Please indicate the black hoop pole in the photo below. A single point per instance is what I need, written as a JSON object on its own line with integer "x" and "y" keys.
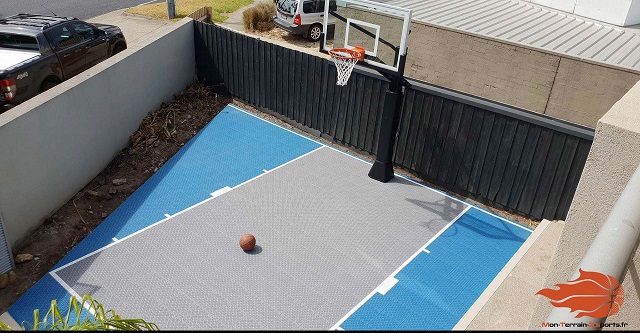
{"x": 382, "y": 169}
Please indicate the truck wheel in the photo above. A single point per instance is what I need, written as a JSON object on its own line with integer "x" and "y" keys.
{"x": 315, "y": 31}
{"x": 46, "y": 85}
{"x": 117, "y": 49}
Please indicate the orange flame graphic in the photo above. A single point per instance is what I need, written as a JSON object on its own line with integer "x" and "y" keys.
{"x": 593, "y": 294}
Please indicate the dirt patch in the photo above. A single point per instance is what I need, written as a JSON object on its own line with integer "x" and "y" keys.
{"x": 161, "y": 134}
{"x": 281, "y": 36}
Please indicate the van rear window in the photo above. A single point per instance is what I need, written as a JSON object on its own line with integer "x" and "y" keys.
{"x": 12, "y": 41}
{"x": 288, "y": 6}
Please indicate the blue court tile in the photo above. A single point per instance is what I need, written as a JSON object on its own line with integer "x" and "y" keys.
{"x": 436, "y": 289}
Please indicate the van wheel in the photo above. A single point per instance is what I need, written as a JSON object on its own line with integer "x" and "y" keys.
{"x": 315, "y": 31}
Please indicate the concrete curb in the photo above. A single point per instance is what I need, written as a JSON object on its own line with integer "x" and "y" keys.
{"x": 7, "y": 319}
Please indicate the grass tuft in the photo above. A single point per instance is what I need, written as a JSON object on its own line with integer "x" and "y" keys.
{"x": 259, "y": 17}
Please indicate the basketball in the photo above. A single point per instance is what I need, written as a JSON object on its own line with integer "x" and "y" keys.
{"x": 247, "y": 242}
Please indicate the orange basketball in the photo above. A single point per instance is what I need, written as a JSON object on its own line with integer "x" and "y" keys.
{"x": 247, "y": 242}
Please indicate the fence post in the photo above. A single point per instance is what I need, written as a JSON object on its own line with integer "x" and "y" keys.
{"x": 171, "y": 8}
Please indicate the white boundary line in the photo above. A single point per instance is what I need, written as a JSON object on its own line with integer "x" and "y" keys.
{"x": 386, "y": 285}
{"x": 178, "y": 213}
{"x": 220, "y": 192}
{"x": 399, "y": 175}
{"x": 482, "y": 300}
{"x": 415, "y": 254}
{"x": 72, "y": 292}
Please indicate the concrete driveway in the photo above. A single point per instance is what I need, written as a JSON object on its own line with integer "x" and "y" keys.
{"x": 134, "y": 27}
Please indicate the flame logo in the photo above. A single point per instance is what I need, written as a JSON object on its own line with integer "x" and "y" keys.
{"x": 593, "y": 294}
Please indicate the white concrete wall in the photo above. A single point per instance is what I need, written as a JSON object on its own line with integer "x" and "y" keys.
{"x": 633, "y": 17}
{"x": 614, "y": 156}
{"x": 618, "y": 12}
{"x": 52, "y": 145}
{"x": 610, "y": 11}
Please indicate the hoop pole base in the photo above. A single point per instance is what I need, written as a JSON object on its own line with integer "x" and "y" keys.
{"x": 382, "y": 169}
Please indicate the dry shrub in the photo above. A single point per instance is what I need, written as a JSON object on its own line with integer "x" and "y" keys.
{"x": 259, "y": 17}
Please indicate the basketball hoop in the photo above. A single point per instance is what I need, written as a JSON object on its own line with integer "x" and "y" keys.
{"x": 345, "y": 60}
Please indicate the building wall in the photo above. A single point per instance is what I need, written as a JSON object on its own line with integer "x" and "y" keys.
{"x": 614, "y": 156}
{"x": 583, "y": 92}
{"x": 571, "y": 89}
{"x": 55, "y": 143}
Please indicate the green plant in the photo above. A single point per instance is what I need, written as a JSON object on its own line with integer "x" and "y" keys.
{"x": 87, "y": 314}
{"x": 259, "y": 17}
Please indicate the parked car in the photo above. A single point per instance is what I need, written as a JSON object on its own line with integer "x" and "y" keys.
{"x": 306, "y": 20}
{"x": 37, "y": 52}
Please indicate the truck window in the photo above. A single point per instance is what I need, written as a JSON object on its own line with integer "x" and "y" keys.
{"x": 83, "y": 30}
{"x": 11, "y": 41}
{"x": 61, "y": 37}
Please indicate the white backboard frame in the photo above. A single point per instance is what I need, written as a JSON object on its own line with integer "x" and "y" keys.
{"x": 404, "y": 13}
{"x": 374, "y": 52}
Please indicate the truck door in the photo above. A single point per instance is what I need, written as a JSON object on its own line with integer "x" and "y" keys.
{"x": 95, "y": 45}
{"x": 70, "y": 51}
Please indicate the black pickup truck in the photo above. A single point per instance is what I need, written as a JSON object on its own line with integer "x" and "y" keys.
{"x": 38, "y": 51}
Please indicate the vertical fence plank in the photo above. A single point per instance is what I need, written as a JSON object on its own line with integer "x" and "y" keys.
{"x": 528, "y": 153}
{"x": 483, "y": 146}
{"x": 422, "y": 131}
{"x": 533, "y": 180}
{"x": 506, "y": 143}
{"x": 459, "y": 145}
{"x": 441, "y": 139}
{"x": 404, "y": 125}
{"x": 492, "y": 153}
{"x": 548, "y": 174}
{"x": 562, "y": 172}
{"x": 574, "y": 177}
{"x": 431, "y": 138}
{"x": 449, "y": 141}
{"x": 263, "y": 83}
{"x": 464, "y": 173}
{"x": 372, "y": 115}
{"x": 506, "y": 185}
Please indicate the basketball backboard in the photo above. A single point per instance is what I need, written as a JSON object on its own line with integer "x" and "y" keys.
{"x": 379, "y": 28}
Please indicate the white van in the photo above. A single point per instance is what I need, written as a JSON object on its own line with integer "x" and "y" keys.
{"x": 305, "y": 19}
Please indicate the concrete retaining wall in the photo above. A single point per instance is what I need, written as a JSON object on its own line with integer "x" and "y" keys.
{"x": 572, "y": 89}
{"x": 55, "y": 143}
{"x": 614, "y": 156}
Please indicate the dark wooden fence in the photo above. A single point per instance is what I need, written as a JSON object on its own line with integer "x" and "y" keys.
{"x": 497, "y": 154}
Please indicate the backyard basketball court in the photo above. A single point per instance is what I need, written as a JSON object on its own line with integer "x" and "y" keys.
{"x": 335, "y": 249}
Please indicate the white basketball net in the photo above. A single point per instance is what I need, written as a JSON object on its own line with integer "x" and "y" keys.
{"x": 344, "y": 66}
